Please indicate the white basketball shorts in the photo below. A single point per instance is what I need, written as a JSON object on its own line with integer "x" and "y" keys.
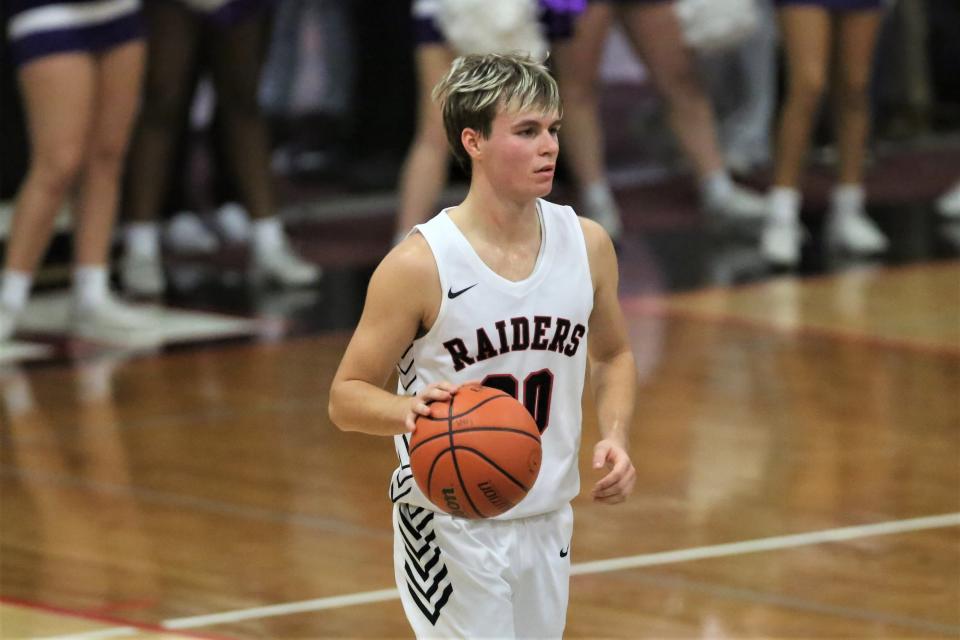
{"x": 463, "y": 578}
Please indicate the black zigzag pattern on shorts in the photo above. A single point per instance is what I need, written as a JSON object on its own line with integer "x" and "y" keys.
{"x": 427, "y": 579}
{"x": 401, "y": 484}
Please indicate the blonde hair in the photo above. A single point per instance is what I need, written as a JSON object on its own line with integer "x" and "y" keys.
{"x": 477, "y": 86}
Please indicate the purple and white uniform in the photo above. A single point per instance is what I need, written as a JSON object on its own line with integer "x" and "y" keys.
{"x": 224, "y": 13}
{"x": 838, "y": 5}
{"x": 556, "y": 18}
{"x": 37, "y": 28}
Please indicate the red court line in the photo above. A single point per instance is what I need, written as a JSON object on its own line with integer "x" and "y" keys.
{"x": 106, "y": 619}
{"x": 658, "y": 306}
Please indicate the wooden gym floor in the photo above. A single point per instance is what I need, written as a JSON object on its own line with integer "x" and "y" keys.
{"x": 797, "y": 441}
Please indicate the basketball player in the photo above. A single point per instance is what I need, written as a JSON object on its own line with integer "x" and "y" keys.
{"x": 424, "y": 171}
{"x": 515, "y": 292}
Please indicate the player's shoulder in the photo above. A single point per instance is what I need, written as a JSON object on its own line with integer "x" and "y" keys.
{"x": 410, "y": 263}
{"x": 596, "y": 238}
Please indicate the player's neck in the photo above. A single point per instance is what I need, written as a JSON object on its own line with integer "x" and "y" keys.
{"x": 496, "y": 216}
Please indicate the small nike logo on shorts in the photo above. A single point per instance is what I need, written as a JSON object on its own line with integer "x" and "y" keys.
{"x": 453, "y": 294}
{"x": 565, "y": 552}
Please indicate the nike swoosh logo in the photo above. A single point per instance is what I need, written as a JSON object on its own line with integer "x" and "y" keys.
{"x": 564, "y": 552}
{"x": 453, "y": 294}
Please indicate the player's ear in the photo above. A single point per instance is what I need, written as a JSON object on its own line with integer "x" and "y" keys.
{"x": 470, "y": 139}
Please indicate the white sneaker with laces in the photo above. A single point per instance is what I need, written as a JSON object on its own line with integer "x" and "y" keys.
{"x": 736, "y": 204}
{"x": 281, "y": 265}
{"x": 112, "y": 317}
{"x": 780, "y": 242}
{"x": 185, "y": 233}
{"x": 948, "y": 205}
{"x": 852, "y": 231}
{"x": 142, "y": 275}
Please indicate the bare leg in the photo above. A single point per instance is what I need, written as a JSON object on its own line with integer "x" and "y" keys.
{"x": 58, "y": 93}
{"x": 805, "y": 30}
{"x": 171, "y": 50}
{"x": 118, "y": 92}
{"x": 857, "y": 37}
{"x": 654, "y": 31}
{"x": 582, "y": 135}
{"x": 425, "y": 170}
{"x": 236, "y": 57}
{"x": 806, "y": 37}
{"x": 848, "y": 227}
{"x": 577, "y": 63}
{"x": 173, "y": 31}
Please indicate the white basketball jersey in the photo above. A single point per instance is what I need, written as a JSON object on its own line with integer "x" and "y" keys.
{"x": 528, "y": 338}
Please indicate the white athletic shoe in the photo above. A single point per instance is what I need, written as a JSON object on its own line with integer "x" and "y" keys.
{"x": 948, "y": 205}
{"x": 281, "y": 265}
{"x": 737, "y": 204}
{"x": 185, "y": 233}
{"x": 112, "y": 317}
{"x": 8, "y": 324}
{"x": 232, "y": 222}
{"x": 780, "y": 242}
{"x": 853, "y": 232}
{"x": 142, "y": 275}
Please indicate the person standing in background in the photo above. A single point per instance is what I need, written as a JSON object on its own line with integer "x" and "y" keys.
{"x": 654, "y": 30}
{"x": 813, "y": 33}
{"x": 234, "y": 33}
{"x": 79, "y": 74}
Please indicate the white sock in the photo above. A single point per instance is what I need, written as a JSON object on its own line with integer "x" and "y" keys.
{"x": 784, "y": 205}
{"x": 848, "y": 198}
{"x": 233, "y": 221}
{"x": 716, "y": 185}
{"x": 267, "y": 234}
{"x": 143, "y": 239}
{"x": 17, "y": 395}
{"x": 14, "y": 289}
{"x": 90, "y": 286}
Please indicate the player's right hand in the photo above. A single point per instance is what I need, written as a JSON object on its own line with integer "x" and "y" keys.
{"x": 419, "y": 404}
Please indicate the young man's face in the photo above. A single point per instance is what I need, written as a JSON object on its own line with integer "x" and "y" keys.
{"x": 520, "y": 156}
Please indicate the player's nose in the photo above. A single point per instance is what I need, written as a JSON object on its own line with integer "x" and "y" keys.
{"x": 550, "y": 145}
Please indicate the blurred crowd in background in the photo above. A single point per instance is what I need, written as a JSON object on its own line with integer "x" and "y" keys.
{"x": 105, "y": 104}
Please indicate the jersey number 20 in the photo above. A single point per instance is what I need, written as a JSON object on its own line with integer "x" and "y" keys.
{"x": 537, "y": 392}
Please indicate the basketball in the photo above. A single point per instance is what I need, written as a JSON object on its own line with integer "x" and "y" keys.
{"x": 478, "y": 455}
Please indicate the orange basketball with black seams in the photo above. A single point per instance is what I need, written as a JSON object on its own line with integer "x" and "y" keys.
{"x": 478, "y": 455}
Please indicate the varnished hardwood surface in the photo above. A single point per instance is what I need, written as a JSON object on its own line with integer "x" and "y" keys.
{"x": 160, "y": 487}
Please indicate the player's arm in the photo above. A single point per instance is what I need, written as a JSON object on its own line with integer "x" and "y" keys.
{"x": 403, "y": 295}
{"x": 613, "y": 371}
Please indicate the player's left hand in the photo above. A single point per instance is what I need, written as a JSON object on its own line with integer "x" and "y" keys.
{"x": 614, "y": 487}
